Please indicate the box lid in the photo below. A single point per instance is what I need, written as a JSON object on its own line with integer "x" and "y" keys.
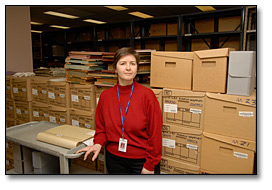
{"x": 79, "y": 112}
{"x": 177, "y": 55}
{"x": 244, "y": 100}
{"x": 220, "y": 52}
{"x": 57, "y": 108}
{"x": 177, "y": 92}
{"x": 243, "y": 143}
{"x": 242, "y": 64}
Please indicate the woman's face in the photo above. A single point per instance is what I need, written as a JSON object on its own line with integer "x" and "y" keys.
{"x": 126, "y": 69}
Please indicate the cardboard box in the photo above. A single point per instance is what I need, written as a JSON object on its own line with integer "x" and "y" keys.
{"x": 199, "y": 44}
{"x": 10, "y": 109}
{"x": 80, "y": 118}
{"x": 158, "y": 29}
{"x": 21, "y": 88}
{"x": 171, "y": 70}
{"x": 229, "y": 23}
{"x": 227, "y": 155}
{"x": 172, "y": 28}
{"x": 58, "y": 93}
{"x": 152, "y": 44}
{"x": 181, "y": 144}
{"x": 23, "y": 111}
{"x": 158, "y": 94}
{"x": 40, "y": 111}
{"x": 205, "y": 25}
{"x": 82, "y": 97}
{"x": 171, "y": 45}
{"x": 98, "y": 91}
{"x": 59, "y": 115}
{"x": 10, "y": 122}
{"x": 232, "y": 42}
{"x": 210, "y": 70}
{"x": 9, "y": 94}
{"x": 170, "y": 166}
{"x": 184, "y": 108}
{"x": 231, "y": 115}
{"x": 40, "y": 89}
{"x": 241, "y": 73}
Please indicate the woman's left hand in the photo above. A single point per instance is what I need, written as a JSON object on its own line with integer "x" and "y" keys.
{"x": 145, "y": 171}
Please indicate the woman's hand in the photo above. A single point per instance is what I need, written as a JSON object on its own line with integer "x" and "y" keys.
{"x": 145, "y": 171}
{"x": 88, "y": 149}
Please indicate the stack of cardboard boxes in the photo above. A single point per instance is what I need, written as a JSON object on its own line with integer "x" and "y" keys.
{"x": 206, "y": 130}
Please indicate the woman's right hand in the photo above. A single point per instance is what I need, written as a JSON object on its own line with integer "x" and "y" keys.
{"x": 88, "y": 149}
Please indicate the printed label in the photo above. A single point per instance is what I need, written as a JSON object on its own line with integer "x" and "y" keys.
{"x": 240, "y": 155}
{"x": 191, "y": 146}
{"x": 62, "y": 120}
{"x": 44, "y": 91}
{"x": 62, "y": 95}
{"x": 35, "y": 114}
{"x": 52, "y": 119}
{"x": 34, "y": 91}
{"x": 74, "y": 98}
{"x": 23, "y": 89}
{"x": 26, "y": 112}
{"x": 75, "y": 123}
{"x": 87, "y": 126}
{"x": 45, "y": 115}
{"x": 171, "y": 108}
{"x": 246, "y": 114}
{"x": 168, "y": 143}
{"x": 51, "y": 95}
{"x": 15, "y": 90}
{"x": 10, "y": 108}
{"x": 87, "y": 97}
{"x": 18, "y": 111}
{"x": 195, "y": 111}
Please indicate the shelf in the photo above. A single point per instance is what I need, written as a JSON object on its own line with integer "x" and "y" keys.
{"x": 212, "y": 34}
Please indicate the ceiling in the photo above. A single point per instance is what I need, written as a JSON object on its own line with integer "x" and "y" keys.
{"x": 102, "y": 13}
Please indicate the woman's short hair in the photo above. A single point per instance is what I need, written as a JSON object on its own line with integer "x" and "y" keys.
{"x": 123, "y": 52}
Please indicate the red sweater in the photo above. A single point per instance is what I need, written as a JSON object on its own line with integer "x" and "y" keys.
{"x": 143, "y": 123}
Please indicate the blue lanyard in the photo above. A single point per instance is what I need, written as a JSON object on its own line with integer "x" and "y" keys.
{"x": 123, "y": 119}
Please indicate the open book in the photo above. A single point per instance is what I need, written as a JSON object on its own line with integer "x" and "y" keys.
{"x": 66, "y": 136}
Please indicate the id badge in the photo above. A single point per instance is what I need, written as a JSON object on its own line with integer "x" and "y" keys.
{"x": 122, "y": 145}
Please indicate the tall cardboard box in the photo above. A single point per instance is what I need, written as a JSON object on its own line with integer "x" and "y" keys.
{"x": 58, "y": 93}
{"x": 181, "y": 144}
{"x": 40, "y": 89}
{"x": 21, "y": 88}
{"x": 184, "y": 108}
{"x": 23, "y": 111}
{"x": 82, "y": 96}
{"x": 59, "y": 115}
{"x": 231, "y": 115}
{"x": 226, "y": 155}
{"x": 40, "y": 111}
{"x": 157, "y": 29}
{"x": 210, "y": 70}
{"x": 98, "y": 91}
{"x": 9, "y": 94}
{"x": 170, "y": 166}
{"x": 81, "y": 118}
{"x": 171, "y": 70}
{"x": 158, "y": 94}
{"x": 241, "y": 72}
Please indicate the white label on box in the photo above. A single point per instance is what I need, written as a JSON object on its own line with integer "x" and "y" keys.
{"x": 34, "y": 91}
{"x": 75, "y": 123}
{"x": 240, "y": 155}
{"x": 10, "y": 108}
{"x": 246, "y": 114}
{"x": 62, "y": 120}
{"x": 87, "y": 126}
{"x": 23, "y": 89}
{"x": 51, "y": 95}
{"x": 44, "y": 91}
{"x": 26, "y": 112}
{"x": 191, "y": 146}
{"x": 62, "y": 95}
{"x": 18, "y": 111}
{"x": 74, "y": 98}
{"x": 168, "y": 143}
{"x": 87, "y": 97}
{"x": 45, "y": 115}
{"x": 172, "y": 108}
{"x": 195, "y": 111}
{"x": 15, "y": 90}
{"x": 52, "y": 119}
{"x": 35, "y": 114}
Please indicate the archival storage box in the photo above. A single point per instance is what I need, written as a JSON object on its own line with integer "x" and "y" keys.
{"x": 40, "y": 111}
{"x": 182, "y": 144}
{"x": 231, "y": 115}
{"x": 158, "y": 94}
{"x": 171, "y": 69}
{"x": 21, "y": 88}
{"x": 210, "y": 70}
{"x": 227, "y": 155}
{"x": 241, "y": 73}
{"x": 59, "y": 115}
{"x": 184, "y": 108}
{"x": 170, "y": 166}
{"x": 81, "y": 118}
{"x": 23, "y": 111}
{"x": 58, "y": 93}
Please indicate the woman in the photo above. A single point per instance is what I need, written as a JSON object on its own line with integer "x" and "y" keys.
{"x": 128, "y": 122}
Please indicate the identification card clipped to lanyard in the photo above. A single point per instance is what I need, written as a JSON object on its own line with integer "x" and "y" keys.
{"x": 123, "y": 142}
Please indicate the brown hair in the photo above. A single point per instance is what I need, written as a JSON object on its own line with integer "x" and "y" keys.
{"x": 123, "y": 52}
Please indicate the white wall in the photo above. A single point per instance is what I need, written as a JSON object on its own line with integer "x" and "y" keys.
{"x": 18, "y": 39}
